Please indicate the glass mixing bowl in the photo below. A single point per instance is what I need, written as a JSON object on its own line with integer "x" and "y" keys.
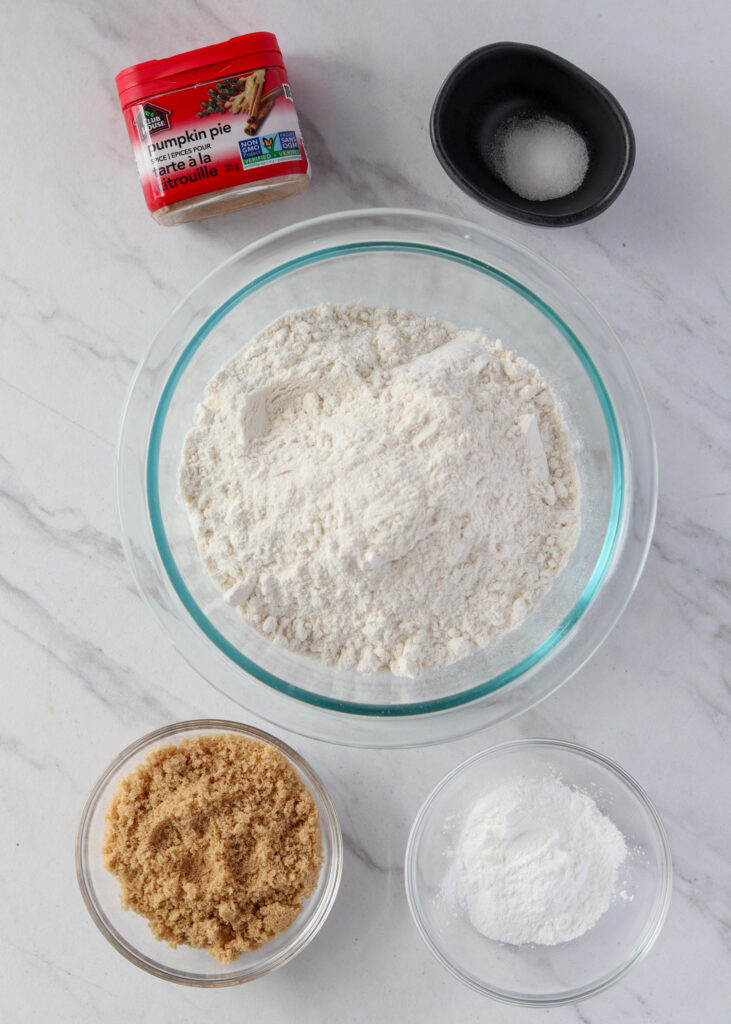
{"x": 534, "y": 975}
{"x": 129, "y": 932}
{"x": 463, "y": 274}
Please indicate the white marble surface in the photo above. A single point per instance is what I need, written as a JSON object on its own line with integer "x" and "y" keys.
{"x": 87, "y": 277}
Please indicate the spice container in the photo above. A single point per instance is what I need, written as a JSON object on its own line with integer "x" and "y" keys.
{"x": 214, "y": 129}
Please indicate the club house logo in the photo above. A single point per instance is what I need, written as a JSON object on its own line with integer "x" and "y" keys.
{"x": 152, "y": 119}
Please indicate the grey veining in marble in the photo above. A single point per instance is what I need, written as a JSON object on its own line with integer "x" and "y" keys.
{"x": 86, "y": 277}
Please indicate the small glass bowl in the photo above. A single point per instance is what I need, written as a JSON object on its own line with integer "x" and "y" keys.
{"x": 533, "y": 975}
{"x": 129, "y": 932}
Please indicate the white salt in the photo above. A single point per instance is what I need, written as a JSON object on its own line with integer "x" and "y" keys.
{"x": 539, "y": 158}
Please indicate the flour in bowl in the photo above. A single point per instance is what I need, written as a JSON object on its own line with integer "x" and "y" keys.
{"x": 378, "y": 489}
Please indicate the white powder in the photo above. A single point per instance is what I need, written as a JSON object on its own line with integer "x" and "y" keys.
{"x": 537, "y": 862}
{"x": 378, "y": 489}
{"x": 539, "y": 158}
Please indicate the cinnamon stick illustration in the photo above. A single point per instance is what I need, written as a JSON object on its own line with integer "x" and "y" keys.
{"x": 256, "y": 99}
{"x": 253, "y": 125}
{"x": 272, "y": 94}
{"x": 265, "y": 106}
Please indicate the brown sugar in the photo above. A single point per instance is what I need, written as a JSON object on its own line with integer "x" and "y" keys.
{"x": 216, "y": 841}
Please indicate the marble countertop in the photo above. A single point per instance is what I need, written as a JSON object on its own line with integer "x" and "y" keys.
{"x": 87, "y": 278}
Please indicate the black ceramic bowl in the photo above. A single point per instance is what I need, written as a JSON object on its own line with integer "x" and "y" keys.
{"x": 496, "y": 83}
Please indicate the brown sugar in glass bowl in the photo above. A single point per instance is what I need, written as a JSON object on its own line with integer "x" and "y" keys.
{"x": 216, "y": 841}
{"x": 223, "y": 841}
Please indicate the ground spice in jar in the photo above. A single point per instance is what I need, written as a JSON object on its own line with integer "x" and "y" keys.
{"x": 214, "y": 129}
{"x": 216, "y": 841}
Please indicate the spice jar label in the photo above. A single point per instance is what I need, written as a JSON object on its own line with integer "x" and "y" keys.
{"x": 215, "y": 135}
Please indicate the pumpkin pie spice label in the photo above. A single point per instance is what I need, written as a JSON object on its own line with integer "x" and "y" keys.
{"x": 215, "y": 135}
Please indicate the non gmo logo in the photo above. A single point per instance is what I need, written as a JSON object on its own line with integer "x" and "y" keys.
{"x": 151, "y": 119}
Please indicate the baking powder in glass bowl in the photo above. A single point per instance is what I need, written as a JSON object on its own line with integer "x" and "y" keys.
{"x": 537, "y": 862}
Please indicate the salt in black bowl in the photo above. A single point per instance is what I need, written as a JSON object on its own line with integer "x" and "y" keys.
{"x": 497, "y": 84}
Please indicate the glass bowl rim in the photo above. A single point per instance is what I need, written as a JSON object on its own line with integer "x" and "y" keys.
{"x": 329, "y": 823}
{"x": 656, "y": 918}
{"x": 423, "y": 707}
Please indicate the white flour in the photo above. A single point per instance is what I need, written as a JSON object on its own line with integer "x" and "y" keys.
{"x": 537, "y": 862}
{"x": 380, "y": 490}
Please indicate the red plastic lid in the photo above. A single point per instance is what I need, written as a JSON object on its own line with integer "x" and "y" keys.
{"x": 241, "y": 53}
